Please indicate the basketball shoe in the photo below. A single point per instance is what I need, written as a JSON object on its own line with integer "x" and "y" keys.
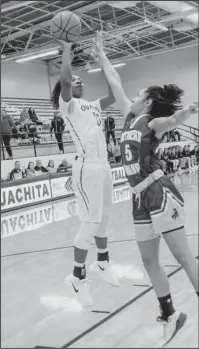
{"x": 80, "y": 288}
{"x": 103, "y": 269}
{"x": 172, "y": 326}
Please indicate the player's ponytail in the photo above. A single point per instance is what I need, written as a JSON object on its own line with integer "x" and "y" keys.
{"x": 172, "y": 93}
{"x": 165, "y": 101}
{"x": 55, "y": 95}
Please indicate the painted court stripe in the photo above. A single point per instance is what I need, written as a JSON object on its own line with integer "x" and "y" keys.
{"x": 114, "y": 313}
{"x": 141, "y": 285}
{"x": 100, "y": 311}
{"x": 71, "y": 246}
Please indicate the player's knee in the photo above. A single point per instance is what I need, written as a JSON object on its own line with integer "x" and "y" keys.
{"x": 85, "y": 234}
{"x": 102, "y": 231}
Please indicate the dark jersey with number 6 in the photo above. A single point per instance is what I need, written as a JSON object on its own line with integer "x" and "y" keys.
{"x": 138, "y": 146}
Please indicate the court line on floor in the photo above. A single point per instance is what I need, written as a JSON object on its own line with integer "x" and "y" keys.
{"x": 114, "y": 313}
{"x": 70, "y": 246}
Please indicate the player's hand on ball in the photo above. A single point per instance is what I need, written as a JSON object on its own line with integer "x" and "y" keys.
{"x": 63, "y": 43}
{"x": 193, "y": 107}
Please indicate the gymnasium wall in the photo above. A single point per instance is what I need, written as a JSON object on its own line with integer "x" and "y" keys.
{"x": 24, "y": 80}
{"x": 179, "y": 67}
{"x": 30, "y": 80}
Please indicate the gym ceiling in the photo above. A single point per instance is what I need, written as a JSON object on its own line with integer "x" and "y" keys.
{"x": 131, "y": 29}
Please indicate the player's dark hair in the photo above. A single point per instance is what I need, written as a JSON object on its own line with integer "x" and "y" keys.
{"x": 166, "y": 100}
{"x": 55, "y": 95}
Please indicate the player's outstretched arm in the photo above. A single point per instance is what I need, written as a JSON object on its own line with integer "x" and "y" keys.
{"x": 66, "y": 72}
{"x": 164, "y": 124}
{"x": 112, "y": 77}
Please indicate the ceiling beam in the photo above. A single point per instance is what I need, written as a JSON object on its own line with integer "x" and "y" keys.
{"x": 12, "y": 5}
{"x": 47, "y": 22}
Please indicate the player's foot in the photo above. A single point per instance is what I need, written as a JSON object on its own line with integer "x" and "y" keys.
{"x": 105, "y": 271}
{"x": 172, "y": 326}
{"x": 80, "y": 288}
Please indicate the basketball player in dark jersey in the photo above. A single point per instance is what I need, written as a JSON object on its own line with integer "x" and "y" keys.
{"x": 157, "y": 204}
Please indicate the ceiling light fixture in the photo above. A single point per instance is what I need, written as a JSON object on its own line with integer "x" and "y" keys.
{"x": 38, "y": 55}
{"x": 116, "y": 65}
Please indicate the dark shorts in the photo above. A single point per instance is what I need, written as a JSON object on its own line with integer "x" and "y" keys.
{"x": 158, "y": 210}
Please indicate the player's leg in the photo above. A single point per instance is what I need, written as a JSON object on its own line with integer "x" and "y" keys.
{"x": 148, "y": 230}
{"x": 102, "y": 266}
{"x": 101, "y": 236}
{"x": 148, "y": 243}
{"x": 175, "y": 235}
{"x": 166, "y": 205}
{"x": 86, "y": 180}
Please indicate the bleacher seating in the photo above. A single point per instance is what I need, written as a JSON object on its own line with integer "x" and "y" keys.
{"x": 45, "y": 111}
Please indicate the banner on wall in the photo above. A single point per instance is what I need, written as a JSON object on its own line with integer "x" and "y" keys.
{"x": 33, "y": 218}
{"x": 61, "y": 186}
{"x": 25, "y": 194}
{"x": 118, "y": 175}
{"x": 25, "y": 221}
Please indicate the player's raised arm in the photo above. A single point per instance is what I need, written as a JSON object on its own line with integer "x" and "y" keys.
{"x": 112, "y": 77}
{"x": 164, "y": 124}
{"x": 66, "y": 72}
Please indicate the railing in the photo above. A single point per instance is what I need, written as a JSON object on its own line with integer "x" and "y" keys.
{"x": 189, "y": 132}
{"x": 38, "y": 144}
{"x": 33, "y": 146}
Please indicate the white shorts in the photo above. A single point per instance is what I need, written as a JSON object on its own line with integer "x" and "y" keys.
{"x": 93, "y": 187}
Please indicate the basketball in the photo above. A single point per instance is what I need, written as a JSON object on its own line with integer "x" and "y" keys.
{"x": 66, "y": 26}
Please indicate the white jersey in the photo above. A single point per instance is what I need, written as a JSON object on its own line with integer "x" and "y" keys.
{"x": 85, "y": 125}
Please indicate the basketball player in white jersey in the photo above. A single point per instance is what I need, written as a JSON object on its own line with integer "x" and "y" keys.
{"x": 92, "y": 177}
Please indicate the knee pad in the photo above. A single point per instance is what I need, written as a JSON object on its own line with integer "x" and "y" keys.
{"x": 102, "y": 231}
{"x": 85, "y": 234}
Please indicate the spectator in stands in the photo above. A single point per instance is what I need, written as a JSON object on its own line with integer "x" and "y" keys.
{"x": 64, "y": 167}
{"x": 162, "y": 160}
{"x": 51, "y": 166}
{"x": 177, "y": 135}
{"x": 109, "y": 126}
{"x": 33, "y": 116}
{"x": 39, "y": 168}
{"x": 24, "y": 117}
{"x": 57, "y": 124}
{"x": 7, "y": 127}
{"x": 117, "y": 152}
{"x": 17, "y": 173}
{"x": 30, "y": 171}
{"x": 195, "y": 152}
{"x": 165, "y": 157}
{"x": 172, "y": 136}
{"x": 187, "y": 156}
{"x": 27, "y": 124}
{"x": 173, "y": 157}
{"x": 193, "y": 157}
{"x": 109, "y": 150}
{"x": 181, "y": 158}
